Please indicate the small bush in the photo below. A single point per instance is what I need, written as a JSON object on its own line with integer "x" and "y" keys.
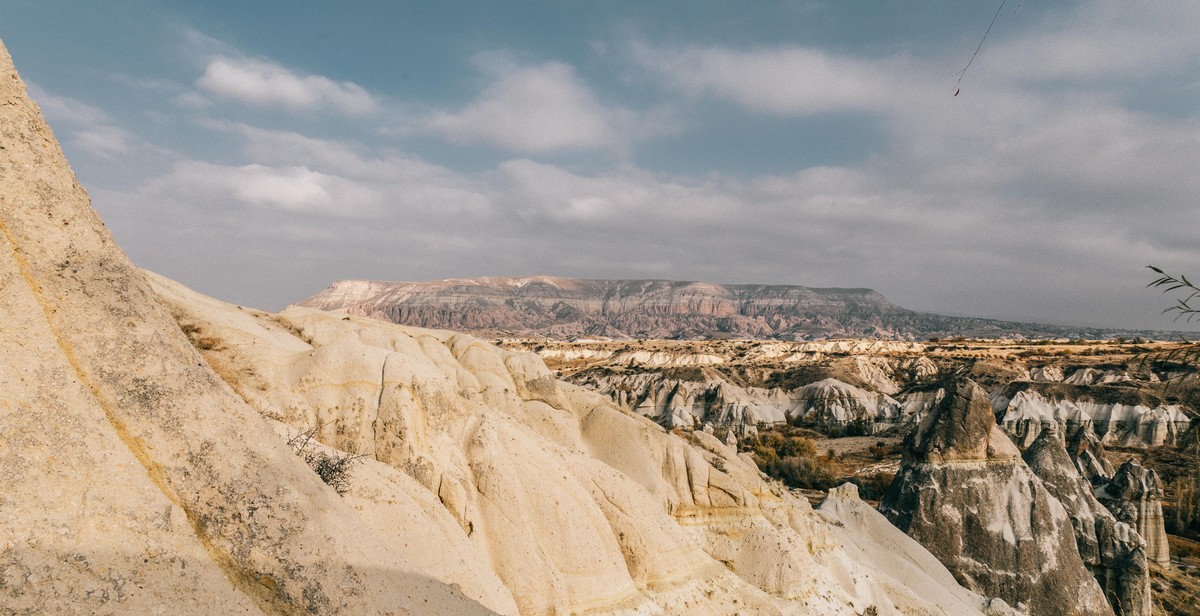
{"x": 333, "y": 469}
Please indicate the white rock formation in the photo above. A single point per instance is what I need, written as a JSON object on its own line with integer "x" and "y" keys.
{"x": 510, "y": 453}
{"x": 1026, "y": 412}
{"x": 1050, "y": 374}
{"x": 675, "y": 403}
{"x": 831, "y": 403}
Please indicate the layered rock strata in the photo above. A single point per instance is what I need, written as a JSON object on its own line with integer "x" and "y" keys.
{"x": 1134, "y": 495}
{"x": 1113, "y": 550}
{"x": 566, "y": 308}
{"x": 964, "y": 493}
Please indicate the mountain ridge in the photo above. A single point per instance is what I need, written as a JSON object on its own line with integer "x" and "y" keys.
{"x": 561, "y": 307}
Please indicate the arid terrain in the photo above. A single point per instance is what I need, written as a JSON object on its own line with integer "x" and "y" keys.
{"x": 819, "y": 414}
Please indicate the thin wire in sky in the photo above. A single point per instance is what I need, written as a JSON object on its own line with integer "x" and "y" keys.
{"x": 958, "y": 84}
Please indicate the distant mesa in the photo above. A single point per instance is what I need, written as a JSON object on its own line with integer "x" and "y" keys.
{"x": 567, "y": 308}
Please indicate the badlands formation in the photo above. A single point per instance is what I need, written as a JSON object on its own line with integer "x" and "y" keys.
{"x": 141, "y": 476}
{"x": 880, "y": 386}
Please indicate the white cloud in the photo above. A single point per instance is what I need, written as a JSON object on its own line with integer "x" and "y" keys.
{"x": 784, "y": 81}
{"x": 543, "y": 108}
{"x": 265, "y": 84}
{"x": 288, "y": 189}
{"x": 88, "y": 128}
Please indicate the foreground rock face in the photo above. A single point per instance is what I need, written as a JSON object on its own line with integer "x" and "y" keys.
{"x": 1134, "y": 495}
{"x": 135, "y": 481}
{"x": 1113, "y": 550}
{"x": 132, "y": 479}
{"x": 964, "y": 493}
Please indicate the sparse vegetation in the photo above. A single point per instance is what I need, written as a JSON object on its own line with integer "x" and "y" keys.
{"x": 333, "y": 469}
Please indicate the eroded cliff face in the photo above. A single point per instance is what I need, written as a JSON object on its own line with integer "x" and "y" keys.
{"x": 566, "y": 308}
{"x": 964, "y": 493}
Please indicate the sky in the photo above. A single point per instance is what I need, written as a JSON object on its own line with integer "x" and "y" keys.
{"x": 259, "y": 151}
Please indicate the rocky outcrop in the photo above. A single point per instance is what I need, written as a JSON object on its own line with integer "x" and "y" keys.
{"x": 1114, "y": 551}
{"x": 566, "y": 308}
{"x": 964, "y": 493}
{"x": 866, "y": 529}
{"x": 572, "y": 504}
{"x": 834, "y": 405}
{"x": 676, "y": 403}
{"x": 132, "y": 480}
{"x": 1024, "y": 412}
{"x": 1134, "y": 495}
{"x": 1087, "y": 452}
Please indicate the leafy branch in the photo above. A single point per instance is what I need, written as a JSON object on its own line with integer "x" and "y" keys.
{"x": 1185, "y": 307}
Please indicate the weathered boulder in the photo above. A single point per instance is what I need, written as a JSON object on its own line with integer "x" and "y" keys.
{"x": 1134, "y": 496}
{"x": 1114, "y": 552}
{"x": 964, "y": 493}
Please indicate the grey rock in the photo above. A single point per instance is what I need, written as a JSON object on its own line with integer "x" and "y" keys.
{"x": 1087, "y": 453}
{"x": 1134, "y": 496}
{"x": 965, "y": 494}
{"x": 1113, "y": 550}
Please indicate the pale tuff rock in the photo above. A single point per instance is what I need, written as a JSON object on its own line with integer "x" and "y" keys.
{"x": 675, "y": 403}
{"x": 658, "y": 524}
{"x": 1114, "y": 552}
{"x": 964, "y": 493}
{"x": 1134, "y": 495}
{"x": 1092, "y": 376}
{"x": 832, "y": 404}
{"x": 647, "y": 358}
{"x": 1051, "y": 374}
{"x": 875, "y": 372}
{"x": 133, "y": 480}
{"x": 865, "y": 531}
{"x": 1024, "y": 413}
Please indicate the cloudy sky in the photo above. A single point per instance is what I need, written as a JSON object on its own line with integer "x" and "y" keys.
{"x": 258, "y": 151}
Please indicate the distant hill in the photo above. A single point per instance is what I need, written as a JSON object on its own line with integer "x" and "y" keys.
{"x": 567, "y": 308}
